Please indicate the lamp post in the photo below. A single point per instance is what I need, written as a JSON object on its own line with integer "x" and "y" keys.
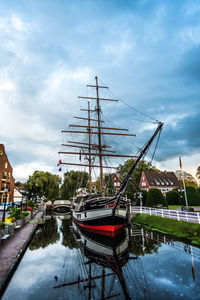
{"x": 26, "y": 193}
{"x": 6, "y": 189}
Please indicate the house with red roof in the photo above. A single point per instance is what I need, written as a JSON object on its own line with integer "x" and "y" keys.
{"x": 164, "y": 181}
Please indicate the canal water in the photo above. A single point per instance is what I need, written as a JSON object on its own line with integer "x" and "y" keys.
{"x": 63, "y": 262}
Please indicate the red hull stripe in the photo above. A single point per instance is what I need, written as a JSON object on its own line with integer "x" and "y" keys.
{"x": 109, "y": 230}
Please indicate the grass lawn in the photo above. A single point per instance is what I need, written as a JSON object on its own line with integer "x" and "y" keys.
{"x": 181, "y": 229}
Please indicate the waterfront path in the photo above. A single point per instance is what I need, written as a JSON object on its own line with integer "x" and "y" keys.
{"x": 179, "y": 215}
{"x": 12, "y": 250}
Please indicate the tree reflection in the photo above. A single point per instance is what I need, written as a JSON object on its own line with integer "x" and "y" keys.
{"x": 45, "y": 235}
{"x": 140, "y": 246}
{"x": 68, "y": 238}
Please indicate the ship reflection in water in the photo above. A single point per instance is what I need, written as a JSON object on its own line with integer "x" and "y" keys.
{"x": 109, "y": 253}
{"x": 65, "y": 262}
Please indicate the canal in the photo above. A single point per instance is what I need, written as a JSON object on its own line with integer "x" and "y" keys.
{"x": 63, "y": 262}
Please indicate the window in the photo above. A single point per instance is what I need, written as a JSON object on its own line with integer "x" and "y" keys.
{"x": 6, "y": 165}
{"x": 8, "y": 175}
{"x": 4, "y": 175}
{"x": 143, "y": 183}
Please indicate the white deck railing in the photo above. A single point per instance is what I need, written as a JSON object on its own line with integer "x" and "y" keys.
{"x": 179, "y": 215}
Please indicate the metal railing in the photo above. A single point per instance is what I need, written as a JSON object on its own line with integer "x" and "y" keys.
{"x": 179, "y": 215}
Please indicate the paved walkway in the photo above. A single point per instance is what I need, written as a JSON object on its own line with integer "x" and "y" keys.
{"x": 12, "y": 249}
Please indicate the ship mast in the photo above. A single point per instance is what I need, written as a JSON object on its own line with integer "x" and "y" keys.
{"x": 100, "y": 147}
{"x": 99, "y": 138}
{"x": 89, "y": 142}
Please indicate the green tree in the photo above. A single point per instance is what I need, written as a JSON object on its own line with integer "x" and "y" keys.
{"x": 43, "y": 184}
{"x": 122, "y": 170}
{"x": 72, "y": 181}
{"x": 193, "y": 196}
{"x": 198, "y": 173}
{"x": 189, "y": 183}
{"x": 45, "y": 235}
{"x": 173, "y": 197}
{"x": 109, "y": 185}
{"x": 155, "y": 197}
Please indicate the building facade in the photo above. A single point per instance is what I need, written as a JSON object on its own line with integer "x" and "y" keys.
{"x": 6, "y": 177}
{"x": 164, "y": 181}
{"x": 116, "y": 182}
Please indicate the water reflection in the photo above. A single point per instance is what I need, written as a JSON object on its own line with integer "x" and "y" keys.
{"x": 64, "y": 262}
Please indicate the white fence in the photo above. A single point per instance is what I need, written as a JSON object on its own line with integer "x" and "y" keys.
{"x": 179, "y": 215}
{"x": 160, "y": 238}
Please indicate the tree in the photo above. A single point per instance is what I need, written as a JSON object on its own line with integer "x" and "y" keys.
{"x": 72, "y": 181}
{"x": 43, "y": 184}
{"x": 173, "y": 197}
{"x": 109, "y": 185}
{"x": 189, "y": 183}
{"x": 122, "y": 170}
{"x": 198, "y": 173}
{"x": 155, "y": 197}
{"x": 193, "y": 196}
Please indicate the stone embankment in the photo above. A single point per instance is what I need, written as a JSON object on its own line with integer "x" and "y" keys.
{"x": 13, "y": 248}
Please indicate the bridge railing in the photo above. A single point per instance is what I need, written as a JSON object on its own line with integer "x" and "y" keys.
{"x": 179, "y": 215}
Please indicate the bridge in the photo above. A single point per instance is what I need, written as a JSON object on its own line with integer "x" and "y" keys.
{"x": 59, "y": 206}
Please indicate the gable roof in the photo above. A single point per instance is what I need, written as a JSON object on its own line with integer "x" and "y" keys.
{"x": 161, "y": 178}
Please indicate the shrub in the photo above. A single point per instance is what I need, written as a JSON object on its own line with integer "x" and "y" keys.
{"x": 155, "y": 197}
{"x": 15, "y": 213}
{"x": 144, "y": 198}
{"x": 173, "y": 197}
{"x": 31, "y": 203}
{"x": 193, "y": 196}
{"x": 25, "y": 213}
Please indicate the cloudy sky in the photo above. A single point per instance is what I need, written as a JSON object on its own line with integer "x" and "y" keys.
{"x": 147, "y": 52}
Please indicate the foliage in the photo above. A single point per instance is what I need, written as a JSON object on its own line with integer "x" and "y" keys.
{"x": 45, "y": 235}
{"x": 72, "y": 181}
{"x": 108, "y": 180}
{"x": 25, "y": 213}
{"x": 155, "y": 197}
{"x": 190, "y": 231}
{"x": 122, "y": 170}
{"x": 138, "y": 248}
{"x": 198, "y": 173}
{"x": 31, "y": 203}
{"x": 130, "y": 191}
{"x": 18, "y": 183}
{"x": 189, "y": 183}
{"x": 173, "y": 197}
{"x": 193, "y": 196}
{"x": 144, "y": 198}
{"x": 43, "y": 184}
{"x": 15, "y": 213}
{"x": 68, "y": 238}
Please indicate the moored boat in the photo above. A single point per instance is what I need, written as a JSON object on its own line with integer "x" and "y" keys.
{"x": 102, "y": 214}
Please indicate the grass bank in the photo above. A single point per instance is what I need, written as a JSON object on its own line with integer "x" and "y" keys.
{"x": 180, "y": 229}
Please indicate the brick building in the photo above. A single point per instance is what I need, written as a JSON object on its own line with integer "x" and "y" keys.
{"x": 6, "y": 177}
{"x": 165, "y": 181}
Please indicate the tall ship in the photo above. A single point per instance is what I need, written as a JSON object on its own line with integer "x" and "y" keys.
{"x": 100, "y": 213}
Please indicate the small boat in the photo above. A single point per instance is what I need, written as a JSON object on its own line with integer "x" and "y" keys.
{"x": 102, "y": 214}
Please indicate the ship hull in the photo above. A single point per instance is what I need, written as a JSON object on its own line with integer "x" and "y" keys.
{"x": 101, "y": 221}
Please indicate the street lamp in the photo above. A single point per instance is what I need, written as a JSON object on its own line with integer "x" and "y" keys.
{"x": 26, "y": 193}
{"x": 6, "y": 189}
